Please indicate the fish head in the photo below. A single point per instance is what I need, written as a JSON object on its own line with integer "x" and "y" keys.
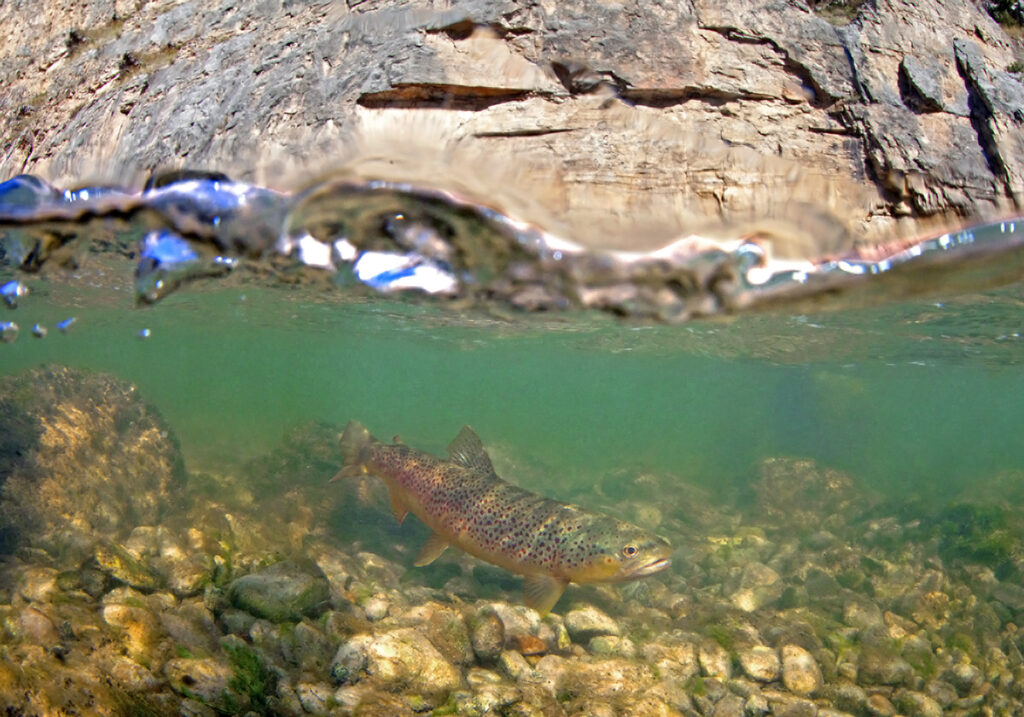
{"x": 613, "y": 551}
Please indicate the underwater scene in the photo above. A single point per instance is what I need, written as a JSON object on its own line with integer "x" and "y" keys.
{"x": 810, "y": 509}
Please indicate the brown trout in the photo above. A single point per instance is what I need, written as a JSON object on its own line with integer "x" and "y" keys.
{"x": 464, "y": 502}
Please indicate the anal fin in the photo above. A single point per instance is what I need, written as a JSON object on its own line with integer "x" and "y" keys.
{"x": 541, "y": 592}
{"x": 431, "y": 550}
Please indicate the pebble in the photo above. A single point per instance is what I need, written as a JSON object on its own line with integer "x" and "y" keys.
{"x": 376, "y": 608}
{"x": 487, "y": 636}
{"x": 760, "y": 663}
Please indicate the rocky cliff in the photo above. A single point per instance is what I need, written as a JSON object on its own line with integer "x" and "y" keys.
{"x": 620, "y": 123}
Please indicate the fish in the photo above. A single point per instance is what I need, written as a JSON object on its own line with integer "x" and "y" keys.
{"x": 467, "y": 506}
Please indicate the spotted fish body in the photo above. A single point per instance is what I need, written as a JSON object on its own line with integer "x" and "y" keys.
{"x": 464, "y": 502}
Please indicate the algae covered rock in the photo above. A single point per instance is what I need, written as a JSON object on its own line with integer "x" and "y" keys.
{"x": 82, "y": 458}
{"x": 283, "y": 591}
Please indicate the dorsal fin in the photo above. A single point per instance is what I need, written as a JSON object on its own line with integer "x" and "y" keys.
{"x": 468, "y": 451}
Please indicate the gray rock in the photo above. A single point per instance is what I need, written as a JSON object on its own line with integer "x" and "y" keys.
{"x": 282, "y": 591}
{"x": 920, "y": 85}
{"x": 587, "y": 622}
{"x": 760, "y": 663}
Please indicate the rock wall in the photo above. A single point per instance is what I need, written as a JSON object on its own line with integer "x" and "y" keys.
{"x": 619, "y": 123}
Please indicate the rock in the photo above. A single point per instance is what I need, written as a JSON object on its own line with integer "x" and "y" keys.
{"x": 760, "y": 663}
{"x": 133, "y": 677}
{"x": 376, "y": 608}
{"x": 862, "y": 614}
{"x": 798, "y": 492}
{"x": 92, "y": 460}
{"x": 488, "y": 636}
{"x": 121, "y": 565}
{"x": 139, "y": 627}
{"x": 282, "y": 591}
{"x": 611, "y": 645}
{"x": 965, "y": 677}
{"x": 917, "y": 703}
{"x": 37, "y": 584}
{"x": 758, "y": 586}
{"x": 514, "y": 666}
{"x": 714, "y": 660}
{"x": 38, "y": 627}
{"x": 401, "y": 657}
{"x": 888, "y": 92}
{"x": 878, "y": 704}
{"x": 729, "y": 706}
{"x": 674, "y": 656}
{"x": 587, "y": 622}
{"x": 205, "y": 679}
{"x": 800, "y": 672}
{"x": 877, "y": 666}
{"x": 315, "y": 698}
{"x": 447, "y": 631}
{"x": 606, "y": 679}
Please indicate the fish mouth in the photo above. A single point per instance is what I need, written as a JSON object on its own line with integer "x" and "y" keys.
{"x": 655, "y": 566}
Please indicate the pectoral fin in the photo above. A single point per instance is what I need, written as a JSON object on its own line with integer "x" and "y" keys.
{"x": 541, "y": 592}
{"x": 398, "y": 506}
{"x": 431, "y": 550}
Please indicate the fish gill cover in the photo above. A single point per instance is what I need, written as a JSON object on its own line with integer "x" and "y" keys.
{"x": 397, "y": 237}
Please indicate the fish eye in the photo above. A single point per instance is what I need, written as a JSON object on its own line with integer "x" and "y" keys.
{"x": 630, "y": 551}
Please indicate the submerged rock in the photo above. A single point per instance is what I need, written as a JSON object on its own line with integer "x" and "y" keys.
{"x": 84, "y": 458}
{"x": 760, "y": 663}
{"x": 282, "y": 591}
{"x": 800, "y": 672}
{"x": 402, "y": 657}
{"x": 587, "y": 622}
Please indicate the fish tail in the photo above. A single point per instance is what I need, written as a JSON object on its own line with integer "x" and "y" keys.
{"x": 354, "y": 444}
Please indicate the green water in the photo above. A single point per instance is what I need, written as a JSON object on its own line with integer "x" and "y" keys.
{"x": 561, "y": 402}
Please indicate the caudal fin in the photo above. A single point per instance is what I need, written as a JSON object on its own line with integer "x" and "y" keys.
{"x": 354, "y": 442}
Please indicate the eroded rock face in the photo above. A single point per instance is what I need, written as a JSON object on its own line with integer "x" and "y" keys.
{"x": 629, "y": 122}
{"x": 85, "y": 457}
